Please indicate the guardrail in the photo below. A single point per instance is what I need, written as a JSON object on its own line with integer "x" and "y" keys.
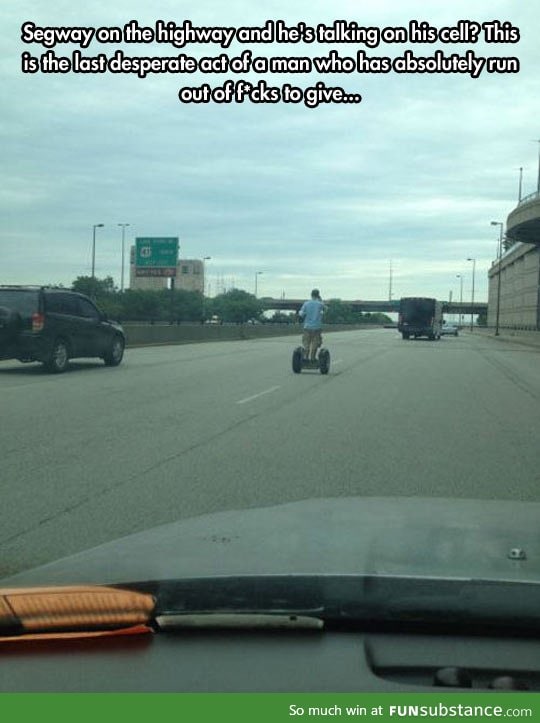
{"x": 157, "y": 334}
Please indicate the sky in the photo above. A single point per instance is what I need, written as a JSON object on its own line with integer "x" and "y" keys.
{"x": 333, "y": 196}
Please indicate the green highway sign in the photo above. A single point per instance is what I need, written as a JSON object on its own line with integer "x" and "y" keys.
{"x": 156, "y": 256}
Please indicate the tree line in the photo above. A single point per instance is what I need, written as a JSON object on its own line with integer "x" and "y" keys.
{"x": 233, "y": 306}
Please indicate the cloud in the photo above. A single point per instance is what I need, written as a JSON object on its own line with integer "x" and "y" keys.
{"x": 414, "y": 173}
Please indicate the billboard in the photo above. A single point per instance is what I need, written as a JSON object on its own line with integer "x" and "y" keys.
{"x": 156, "y": 256}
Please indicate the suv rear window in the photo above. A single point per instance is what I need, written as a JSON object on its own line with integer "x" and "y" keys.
{"x": 62, "y": 303}
{"x": 25, "y": 301}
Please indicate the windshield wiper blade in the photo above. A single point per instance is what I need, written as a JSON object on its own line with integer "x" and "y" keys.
{"x": 350, "y": 601}
{"x": 238, "y": 620}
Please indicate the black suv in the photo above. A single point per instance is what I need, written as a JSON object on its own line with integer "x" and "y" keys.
{"x": 53, "y": 325}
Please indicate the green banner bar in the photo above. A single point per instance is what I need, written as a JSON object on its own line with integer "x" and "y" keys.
{"x": 271, "y": 708}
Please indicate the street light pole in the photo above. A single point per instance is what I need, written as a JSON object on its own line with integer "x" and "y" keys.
{"x": 205, "y": 258}
{"x": 538, "y": 182}
{"x": 472, "y": 299}
{"x": 499, "y": 273}
{"x": 257, "y": 274}
{"x": 460, "y": 277}
{"x": 204, "y": 306}
{"x": 537, "y": 140}
{"x": 96, "y": 225}
{"x": 123, "y": 225}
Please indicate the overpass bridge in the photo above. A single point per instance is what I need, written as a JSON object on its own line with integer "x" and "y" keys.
{"x": 454, "y": 307}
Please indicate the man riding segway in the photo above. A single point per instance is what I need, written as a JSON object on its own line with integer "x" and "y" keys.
{"x": 305, "y": 356}
{"x": 312, "y": 313}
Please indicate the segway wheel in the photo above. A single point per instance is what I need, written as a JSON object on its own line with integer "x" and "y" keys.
{"x": 298, "y": 353}
{"x": 324, "y": 361}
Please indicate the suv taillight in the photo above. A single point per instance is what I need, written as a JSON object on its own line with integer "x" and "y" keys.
{"x": 38, "y": 322}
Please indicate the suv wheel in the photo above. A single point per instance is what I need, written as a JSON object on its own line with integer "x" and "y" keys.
{"x": 59, "y": 358}
{"x": 116, "y": 352}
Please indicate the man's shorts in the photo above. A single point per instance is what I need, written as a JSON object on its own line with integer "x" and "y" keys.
{"x": 311, "y": 339}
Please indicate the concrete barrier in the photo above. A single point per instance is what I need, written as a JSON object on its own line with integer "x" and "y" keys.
{"x": 518, "y": 336}
{"x": 152, "y": 334}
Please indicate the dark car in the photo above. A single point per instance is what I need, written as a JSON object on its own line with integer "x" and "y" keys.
{"x": 53, "y": 326}
{"x": 419, "y": 316}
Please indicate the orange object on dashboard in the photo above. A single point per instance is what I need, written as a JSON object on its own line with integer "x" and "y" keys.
{"x": 78, "y": 611}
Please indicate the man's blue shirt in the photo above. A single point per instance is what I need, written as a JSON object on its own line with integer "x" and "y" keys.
{"x": 312, "y": 312}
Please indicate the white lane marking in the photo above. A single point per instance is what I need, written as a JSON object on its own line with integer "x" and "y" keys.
{"x": 338, "y": 361}
{"x": 256, "y": 396}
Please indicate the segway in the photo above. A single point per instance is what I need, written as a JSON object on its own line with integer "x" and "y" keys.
{"x": 321, "y": 362}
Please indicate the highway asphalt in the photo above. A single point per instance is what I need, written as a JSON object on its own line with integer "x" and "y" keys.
{"x": 177, "y": 431}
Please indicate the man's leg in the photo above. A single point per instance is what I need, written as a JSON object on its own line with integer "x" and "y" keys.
{"x": 305, "y": 343}
{"x": 316, "y": 342}
{"x": 313, "y": 346}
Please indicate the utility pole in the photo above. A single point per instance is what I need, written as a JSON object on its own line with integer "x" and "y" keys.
{"x": 95, "y": 225}
{"x": 499, "y": 274}
{"x": 123, "y": 225}
{"x": 257, "y": 274}
{"x": 472, "y": 299}
{"x": 537, "y": 140}
{"x": 460, "y": 277}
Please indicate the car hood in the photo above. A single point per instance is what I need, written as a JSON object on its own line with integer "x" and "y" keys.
{"x": 421, "y": 537}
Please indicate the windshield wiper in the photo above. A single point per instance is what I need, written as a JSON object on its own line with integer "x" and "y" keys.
{"x": 238, "y": 620}
{"x": 309, "y": 602}
{"x": 89, "y": 611}
{"x": 355, "y": 601}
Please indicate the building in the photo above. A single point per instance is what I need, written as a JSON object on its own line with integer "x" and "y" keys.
{"x": 189, "y": 276}
{"x": 519, "y": 288}
{"x": 514, "y": 279}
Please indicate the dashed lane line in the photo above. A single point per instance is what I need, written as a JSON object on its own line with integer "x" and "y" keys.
{"x": 256, "y": 396}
